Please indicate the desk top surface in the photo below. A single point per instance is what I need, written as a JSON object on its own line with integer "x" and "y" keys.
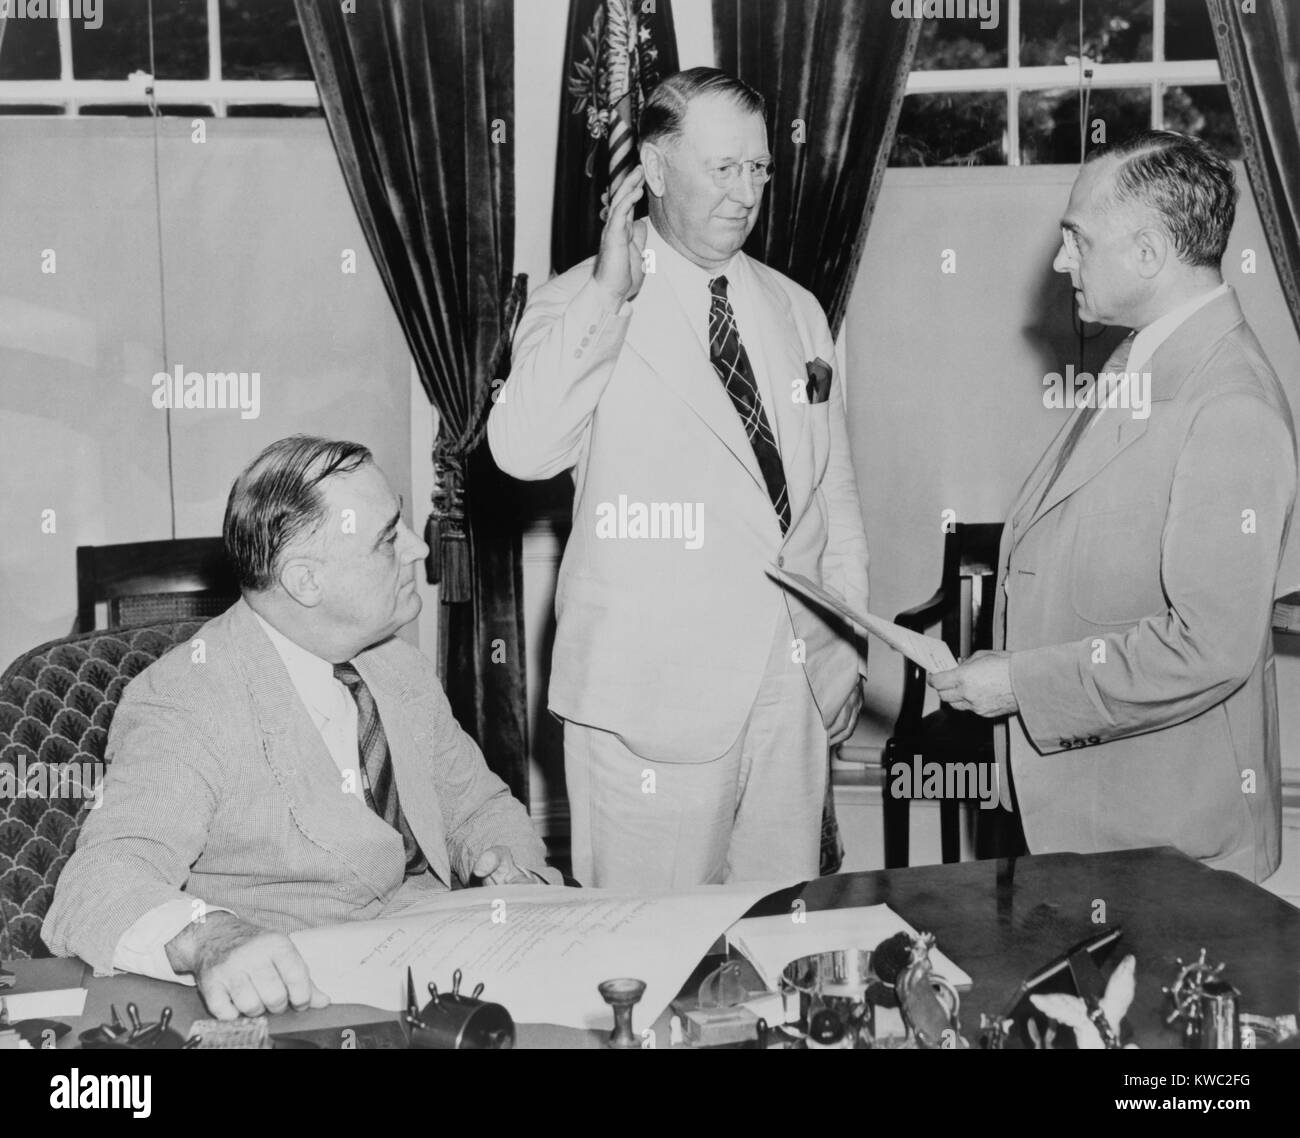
{"x": 999, "y": 920}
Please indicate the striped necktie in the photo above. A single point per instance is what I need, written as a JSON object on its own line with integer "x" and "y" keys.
{"x": 377, "y": 766}
{"x": 731, "y": 362}
{"x": 1117, "y": 361}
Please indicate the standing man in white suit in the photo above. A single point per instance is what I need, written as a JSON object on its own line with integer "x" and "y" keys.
{"x": 697, "y": 397}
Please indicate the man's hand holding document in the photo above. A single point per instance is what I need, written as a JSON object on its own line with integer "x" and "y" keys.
{"x": 928, "y": 652}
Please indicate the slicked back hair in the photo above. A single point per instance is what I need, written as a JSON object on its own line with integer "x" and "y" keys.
{"x": 277, "y": 498}
{"x": 1188, "y": 185}
{"x": 664, "y": 112}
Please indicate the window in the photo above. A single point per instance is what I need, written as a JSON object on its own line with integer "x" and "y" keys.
{"x": 1023, "y": 93}
{"x": 207, "y": 58}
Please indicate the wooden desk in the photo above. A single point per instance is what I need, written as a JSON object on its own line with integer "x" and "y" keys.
{"x": 997, "y": 919}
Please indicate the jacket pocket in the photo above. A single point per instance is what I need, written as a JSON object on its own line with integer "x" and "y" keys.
{"x": 1115, "y": 567}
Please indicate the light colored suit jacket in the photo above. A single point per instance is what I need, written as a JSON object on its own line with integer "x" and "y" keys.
{"x": 1137, "y": 597}
{"x": 220, "y": 787}
{"x": 663, "y": 645}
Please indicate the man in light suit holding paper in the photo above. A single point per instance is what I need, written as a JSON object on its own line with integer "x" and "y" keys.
{"x": 678, "y": 378}
{"x": 1139, "y": 561}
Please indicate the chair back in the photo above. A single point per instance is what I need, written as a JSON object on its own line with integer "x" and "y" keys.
{"x": 56, "y": 704}
{"x": 150, "y": 582}
{"x": 970, "y": 576}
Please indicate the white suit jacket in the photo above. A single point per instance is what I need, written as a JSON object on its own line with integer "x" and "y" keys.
{"x": 663, "y": 645}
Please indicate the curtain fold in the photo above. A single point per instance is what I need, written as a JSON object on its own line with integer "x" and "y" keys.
{"x": 1259, "y": 54}
{"x": 833, "y": 73}
{"x": 419, "y": 99}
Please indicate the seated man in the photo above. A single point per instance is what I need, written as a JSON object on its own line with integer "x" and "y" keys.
{"x": 256, "y": 771}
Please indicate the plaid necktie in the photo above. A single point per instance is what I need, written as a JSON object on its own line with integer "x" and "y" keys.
{"x": 1116, "y": 362}
{"x": 377, "y": 765}
{"x": 731, "y": 362}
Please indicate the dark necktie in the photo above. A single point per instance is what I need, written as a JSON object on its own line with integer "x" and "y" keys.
{"x": 731, "y": 362}
{"x": 377, "y": 764}
{"x": 1116, "y": 362}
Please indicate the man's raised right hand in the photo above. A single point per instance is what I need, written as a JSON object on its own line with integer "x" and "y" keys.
{"x": 619, "y": 269}
{"x": 242, "y": 969}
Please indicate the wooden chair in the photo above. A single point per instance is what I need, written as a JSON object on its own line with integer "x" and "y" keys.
{"x": 147, "y": 582}
{"x": 963, "y": 609}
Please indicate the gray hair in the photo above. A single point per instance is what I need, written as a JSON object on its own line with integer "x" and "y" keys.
{"x": 1185, "y": 182}
{"x": 665, "y": 110}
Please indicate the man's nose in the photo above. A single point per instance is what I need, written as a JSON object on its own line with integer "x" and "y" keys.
{"x": 416, "y": 547}
{"x": 744, "y": 190}
{"x": 1064, "y": 262}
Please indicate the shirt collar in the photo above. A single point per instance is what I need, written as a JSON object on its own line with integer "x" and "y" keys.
{"x": 312, "y": 677}
{"x": 1158, "y": 331}
{"x": 686, "y": 277}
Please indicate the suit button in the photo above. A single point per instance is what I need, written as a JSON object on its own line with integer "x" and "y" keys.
{"x": 1064, "y": 744}
{"x": 577, "y": 353}
{"x": 585, "y": 341}
{"x": 1093, "y": 740}
{"x": 780, "y": 562}
{"x": 592, "y": 329}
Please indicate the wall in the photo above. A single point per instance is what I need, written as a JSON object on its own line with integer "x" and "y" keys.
{"x": 945, "y": 373}
{"x": 254, "y": 220}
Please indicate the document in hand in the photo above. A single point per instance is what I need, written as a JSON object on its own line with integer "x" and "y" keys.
{"x": 539, "y": 950}
{"x": 928, "y": 652}
{"x": 770, "y": 943}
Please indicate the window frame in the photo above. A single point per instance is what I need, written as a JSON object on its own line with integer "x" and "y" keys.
{"x": 1157, "y": 74}
{"x": 71, "y": 94}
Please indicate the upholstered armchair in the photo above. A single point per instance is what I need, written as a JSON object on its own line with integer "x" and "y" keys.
{"x": 56, "y": 704}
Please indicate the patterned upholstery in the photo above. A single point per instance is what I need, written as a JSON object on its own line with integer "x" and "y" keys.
{"x": 56, "y": 704}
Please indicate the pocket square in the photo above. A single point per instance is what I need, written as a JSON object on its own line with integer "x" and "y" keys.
{"x": 819, "y": 380}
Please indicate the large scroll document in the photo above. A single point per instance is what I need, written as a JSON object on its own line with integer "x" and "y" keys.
{"x": 539, "y": 950}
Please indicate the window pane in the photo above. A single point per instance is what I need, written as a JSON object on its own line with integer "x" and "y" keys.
{"x": 261, "y": 39}
{"x": 1114, "y": 31}
{"x": 270, "y": 111}
{"x": 141, "y": 110}
{"x": 1188, "y": 34}
{"x": 1205, "y": 112}
{"x": 30, "y": 50}
{"x": 958, "y": 128}
{"x": 948, "y": 44}
{"x": 31, "y": 109}
{"x": 120, "y": 44}
{"x": 1049, "y": 121}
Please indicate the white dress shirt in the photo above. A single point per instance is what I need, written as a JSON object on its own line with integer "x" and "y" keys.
{"x": 142, "y": 948}
{"x": 690, "y": 285}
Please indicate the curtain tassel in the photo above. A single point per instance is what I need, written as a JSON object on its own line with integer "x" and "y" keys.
{"x": 448, "y": 562}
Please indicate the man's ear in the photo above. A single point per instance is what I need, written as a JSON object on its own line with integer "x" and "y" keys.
{"x": 300, "y": 578}
{"x": 1152, "y": 249}
{"x": 654, "y": 165}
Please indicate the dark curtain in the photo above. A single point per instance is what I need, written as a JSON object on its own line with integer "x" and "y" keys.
{"x": 597, "y": 30}
{"x": 1259, "y": 54}
{"x": 833, "y": 73}
{"x": 419, "y": 98}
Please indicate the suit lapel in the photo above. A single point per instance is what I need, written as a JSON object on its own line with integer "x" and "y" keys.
{"x": 663, "y": 337}
{"x": 411, "y": 749}
{"x": 1118, "y": 429}
{"x": 781, "y": 350}
{"x": 301, "y": 764}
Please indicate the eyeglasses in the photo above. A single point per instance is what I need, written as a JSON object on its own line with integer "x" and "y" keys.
{"x": 728, "y": 174}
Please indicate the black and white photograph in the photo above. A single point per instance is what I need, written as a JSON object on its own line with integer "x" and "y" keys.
{"x": 650, "y": 525}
